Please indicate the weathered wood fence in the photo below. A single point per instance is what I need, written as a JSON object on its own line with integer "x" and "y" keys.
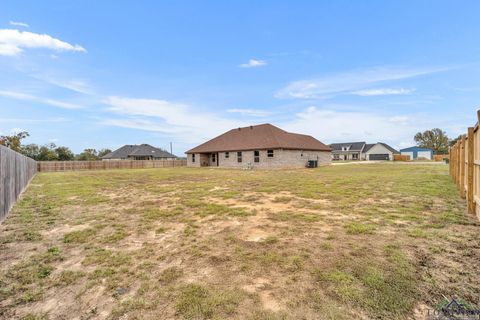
{"x": 49, "y": 166}
{"x": 465, "y": 167}
{"x": 16, "y": 171}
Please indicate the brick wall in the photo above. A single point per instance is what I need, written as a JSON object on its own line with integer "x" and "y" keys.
{"x": 281, "y": 159}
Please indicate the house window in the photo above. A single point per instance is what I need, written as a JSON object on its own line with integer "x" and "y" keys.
{"x": 193, "y": 157}
{"x": 270, "y": 153}
{"x": 227, "y": 155}
{"x": 355, "y": 156}
{"x": 336, "y": 157}
{"x": 239, "y": 157}
{"x": 213, "y": 157}
{"x": 256, "y": 156}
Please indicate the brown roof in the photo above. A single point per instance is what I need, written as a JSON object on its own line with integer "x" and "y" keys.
{"x": 263, "y": 136}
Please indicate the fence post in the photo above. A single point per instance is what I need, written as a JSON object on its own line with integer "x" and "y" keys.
{"x": 471, "y": 152}
{"x": 462, "y": 166}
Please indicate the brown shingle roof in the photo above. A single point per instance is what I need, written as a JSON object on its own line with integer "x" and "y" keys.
{"x": 263, "y": 136}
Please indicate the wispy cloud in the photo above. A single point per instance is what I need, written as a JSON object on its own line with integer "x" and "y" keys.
{"x": 29, "y": 97}
{"x": 27, "y": 120}
{"x": 338, "y": 126}
{"x": 186, "y": 123}
{"x": 19, "y": 24}
{"x": 80, "y": 86}
{"x": 250, "y": 112}
{"x": 382, "y": 92}
{"x": 252, "y": 63}
{"x": 325, "y": 86}
{"x": 13, "y": 41}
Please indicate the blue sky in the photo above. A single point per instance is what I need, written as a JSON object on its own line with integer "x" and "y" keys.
{"x": 106, "y": 73}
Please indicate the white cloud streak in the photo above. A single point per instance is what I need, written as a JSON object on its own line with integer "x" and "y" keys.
{"x": 12, "y": 42}
{"x": 252, "y": 63}
{"x": 29, "y": 97}
{"x": 331, "y": 126}
{"x": 325, "y": 86}
{"x": 19, "y": 24}
{"x": 383, "y": 92}
{"x": 250, "y": 112}
{"x": 182, "y": 121}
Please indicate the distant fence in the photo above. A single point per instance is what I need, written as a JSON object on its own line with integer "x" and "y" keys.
{"x": 50, "y": 166}
{"x": 401, "y": 157}
{"x": 465, "y": 167}
{"x": 440, "y": 157}
{"x": 16, "y": 171}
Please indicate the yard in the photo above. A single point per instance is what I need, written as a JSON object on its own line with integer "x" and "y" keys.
{"x": 340, "y": 242}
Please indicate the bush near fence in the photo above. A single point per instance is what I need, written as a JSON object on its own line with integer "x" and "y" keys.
{"x": 464, "y": 166}
{"x": 16, "y": 171}
{"x": 52, "y": 166}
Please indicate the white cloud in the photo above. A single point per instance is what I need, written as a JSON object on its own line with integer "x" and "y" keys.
{"x": 383, "y": 92}
{"x": 252, "y": 63}
{"x": 186, "y": 123}
{"x": 333, "y": 126}
{"x": 19, "y": 24}
{"x": 27, "y": 120}
{"x": 80, "y": 86}
{"x": 250, "y": 112}
{"x": 12, "y": 41}
{"x": 325, "y": 86}
{"x": 16, "y": 130}
{"x": 28, "y": 97}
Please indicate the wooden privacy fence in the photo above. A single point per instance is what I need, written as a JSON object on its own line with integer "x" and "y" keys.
{"x": 465, "y": 167}
{"x": 401, "y": 157}
{"x": 49, "y": 166}
{"x": 16, "y": 171}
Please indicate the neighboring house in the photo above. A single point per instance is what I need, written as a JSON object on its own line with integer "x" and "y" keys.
{"x": 362, "y": 151}
{"x": 417, "y": 152}
{"x": 139, "y": 152}
{"x": 379, "y": 151}
{"x": 347, "y": 151}
{"x": 262, "y": 146}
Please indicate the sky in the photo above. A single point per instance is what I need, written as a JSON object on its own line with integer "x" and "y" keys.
{"x": 101, "y": 74}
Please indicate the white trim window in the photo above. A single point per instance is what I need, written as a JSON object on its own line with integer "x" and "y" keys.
{"x": 270, "y": 153}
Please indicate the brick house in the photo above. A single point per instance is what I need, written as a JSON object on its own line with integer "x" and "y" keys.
{"x": 260, "y": 146}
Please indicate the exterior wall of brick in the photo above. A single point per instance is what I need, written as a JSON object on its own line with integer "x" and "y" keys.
{"x": 281, "y": 159}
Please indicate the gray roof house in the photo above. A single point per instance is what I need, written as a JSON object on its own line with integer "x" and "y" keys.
{"x": 139, "y": 152}
{"x": 362, "y": 151}
{"x": 347, "y": 150}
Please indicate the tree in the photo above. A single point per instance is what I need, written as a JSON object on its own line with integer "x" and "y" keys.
{"x": 103, "y": 152}
{"x": 14, "y": 141}
{"x": 30, "y": 150}
{"x": 47, "y": 153}
{"x": 453, "y": 141}
{"x": 88, "y": 155}
{"x": 435, "y": 139}
{"x": 64, "y": 154}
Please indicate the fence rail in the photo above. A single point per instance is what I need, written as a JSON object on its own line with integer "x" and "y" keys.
{"x": 16, "y": 171}
{"x": 465, "y": 167}
{"x": 50, "y": 166}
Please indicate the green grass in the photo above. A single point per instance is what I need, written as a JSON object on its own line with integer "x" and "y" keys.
{"x": 359, "y": 228}
{"x": 343, "y": 242}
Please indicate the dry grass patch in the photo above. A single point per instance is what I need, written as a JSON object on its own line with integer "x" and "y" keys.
{"x": 342, "y": 242}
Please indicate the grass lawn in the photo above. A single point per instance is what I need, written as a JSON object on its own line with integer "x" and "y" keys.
{"x": 340, "y": 242}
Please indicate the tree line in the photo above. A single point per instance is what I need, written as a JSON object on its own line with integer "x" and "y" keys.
{"x": 48, "y": 152}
